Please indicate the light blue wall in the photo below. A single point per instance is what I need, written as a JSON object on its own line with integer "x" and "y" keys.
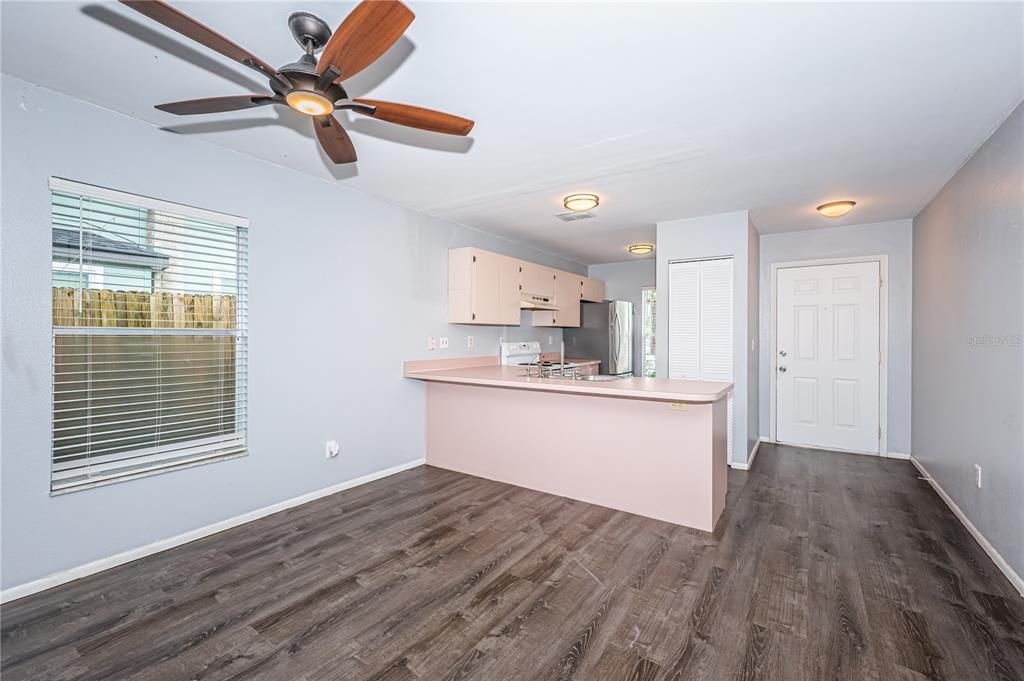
{"x": 969, "y": 338}
{"x": 712, "y": 236}
{"x": 625, "y": 281}
{"x": 881, "y": 238}
{"x": 336, "y": 305}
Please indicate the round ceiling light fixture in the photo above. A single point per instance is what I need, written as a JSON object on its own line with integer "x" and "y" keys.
{"x": 836, "y": 209}
{"x": 309, "y": 103}
{"x": 640, "y": 249}
{"x": 581, "y": 202}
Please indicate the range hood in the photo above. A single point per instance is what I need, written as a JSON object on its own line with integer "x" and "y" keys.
{"x": 531, "y": 301}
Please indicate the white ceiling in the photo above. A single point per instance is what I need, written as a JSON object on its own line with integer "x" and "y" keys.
{"x": 665, "y": 110}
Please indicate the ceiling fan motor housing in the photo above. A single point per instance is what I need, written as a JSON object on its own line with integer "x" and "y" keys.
{"x": 309, "y": 30}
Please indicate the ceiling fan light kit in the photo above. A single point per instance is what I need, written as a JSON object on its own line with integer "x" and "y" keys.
{"x": 309, "y": 85}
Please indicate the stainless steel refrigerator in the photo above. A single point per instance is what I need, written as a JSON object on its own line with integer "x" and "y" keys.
{"x": 605, "y": 333}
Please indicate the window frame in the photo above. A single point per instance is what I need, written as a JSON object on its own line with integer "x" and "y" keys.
{"x": 150, "y": 462}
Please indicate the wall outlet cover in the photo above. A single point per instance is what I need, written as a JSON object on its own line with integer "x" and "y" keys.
{"x": 469, "y": 341}
{"x": 332, "y": 448}
{"x": 431, "y": 343}
{"x": 443, "y": 342}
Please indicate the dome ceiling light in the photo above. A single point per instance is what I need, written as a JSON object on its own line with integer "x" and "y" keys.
{"x": 836, "y": 209}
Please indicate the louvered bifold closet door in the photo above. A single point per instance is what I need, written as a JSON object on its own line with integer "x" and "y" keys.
{"x": 701, "y": 323}
{"x": 149, "y": 336}
{"x": 716, "y": 327}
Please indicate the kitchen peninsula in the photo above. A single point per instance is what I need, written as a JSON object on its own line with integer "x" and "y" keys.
{"x": 654, "y": 447}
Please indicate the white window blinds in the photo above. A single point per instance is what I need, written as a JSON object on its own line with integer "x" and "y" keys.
{"x": 149, "y": 336}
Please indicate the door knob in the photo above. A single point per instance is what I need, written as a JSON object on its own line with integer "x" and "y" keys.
{"x": 782, "y": 370}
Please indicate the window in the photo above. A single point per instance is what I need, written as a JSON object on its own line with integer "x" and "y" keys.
{"x": 149, "y": 336}
{"x": 648, "y": 319}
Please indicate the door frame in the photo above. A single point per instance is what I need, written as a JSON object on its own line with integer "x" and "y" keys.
{"x": 883, "y": 341}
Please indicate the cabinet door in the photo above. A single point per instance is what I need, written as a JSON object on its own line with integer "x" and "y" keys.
{"x": 593, "y": 290}
{"x": 486, "y": 287}
{"x": 511, "y": 278}
{"x": 538, "y": 280}
{"x": 567, "y": 297}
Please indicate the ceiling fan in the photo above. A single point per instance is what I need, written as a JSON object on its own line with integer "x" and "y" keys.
{"x": 311, "y": 86}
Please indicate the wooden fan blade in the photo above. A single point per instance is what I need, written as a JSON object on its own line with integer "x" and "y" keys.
{"x": 189, "y": 107}
{"x": 174, "y": 19}
{"x": 366, "y": 34}
{"x": 417, "y": 117}
{"x": 334, "y": 140}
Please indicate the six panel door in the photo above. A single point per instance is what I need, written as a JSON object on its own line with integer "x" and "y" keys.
{"x": 828, "y": 362}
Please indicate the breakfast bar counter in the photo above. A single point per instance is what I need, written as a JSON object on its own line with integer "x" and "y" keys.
{"x": 654, "y": 447}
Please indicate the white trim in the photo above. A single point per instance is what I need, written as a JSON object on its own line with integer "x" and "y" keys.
{"x": 59, "y": 184}
{"x": 750, "y": 459}
{"x": 896, "y": 455}
{"x": 883, "y": 341}
{"x": 102, "y": 564}
{"x": 1000, "y": 562}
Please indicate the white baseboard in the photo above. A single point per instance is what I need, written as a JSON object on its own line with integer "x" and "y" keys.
{"x": 102, "y": 564}
{"x": 896, "y": 455}
{"x": 1000, "y": 562}
{"x": 750, "y": 458}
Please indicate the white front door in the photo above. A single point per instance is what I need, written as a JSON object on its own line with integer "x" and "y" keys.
{"x": 828, "y": 358}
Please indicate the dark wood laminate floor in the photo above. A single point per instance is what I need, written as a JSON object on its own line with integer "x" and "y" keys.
{"x": 824, "y": 566}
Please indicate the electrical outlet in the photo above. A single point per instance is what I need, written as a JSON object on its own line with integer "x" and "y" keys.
{"x": 331, "y": 449}
{"x": 443, "y": 342}
{"x": 469, "y": 341}
{"x": 977, "y": 475}
{"x": 431, "y": 343}
{"x": 551, "y": 340}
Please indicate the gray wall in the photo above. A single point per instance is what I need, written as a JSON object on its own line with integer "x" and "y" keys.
{"x": 336, "y": 305}
{"x": 881, "y": 238}
{"x": 968, "y": 350}
{"x": 625, "y": 281}
{"x": 726, "y": 234}
{"x": 753, "y": 327}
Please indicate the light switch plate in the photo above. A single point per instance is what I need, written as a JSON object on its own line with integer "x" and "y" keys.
{"x": 332, "y": 448}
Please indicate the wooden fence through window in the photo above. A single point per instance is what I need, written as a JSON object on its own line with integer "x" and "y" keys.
{"x": 142, "y": 309}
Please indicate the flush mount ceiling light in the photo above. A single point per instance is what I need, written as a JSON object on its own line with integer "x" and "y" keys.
{"x": 580, "y": 202}
{"x": 836, "y": 209}
{"x": 640, "y": 249}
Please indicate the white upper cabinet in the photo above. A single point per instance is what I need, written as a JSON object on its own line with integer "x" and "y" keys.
{"x": 486, "y": 288}
{"x": 483, "y": 288}
{"x": 538, "y": 280}
{"x": 593, "y": 290}
{"x": 567, "y": 298}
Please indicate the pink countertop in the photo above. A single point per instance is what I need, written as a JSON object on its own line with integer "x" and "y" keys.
{"x": 497, "y": 376}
